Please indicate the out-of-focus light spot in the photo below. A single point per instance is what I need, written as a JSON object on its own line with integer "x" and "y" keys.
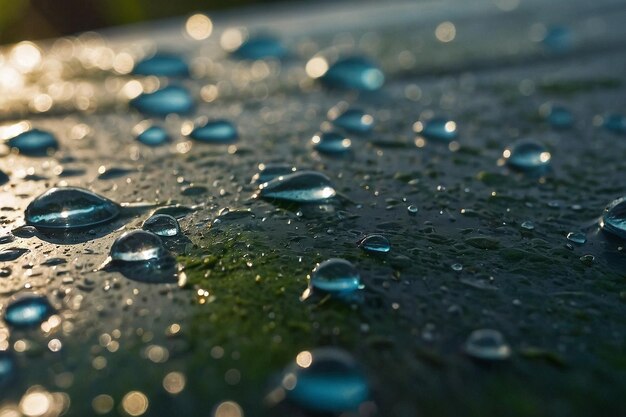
{"x": 232, "y": 39}
{"x": 55, "y": 345}
{"x": 157, "y": 354}
{"x": 228, "y": 409}
{"x": 544, "y": 156}
{"x": 35, "y": 403}
{"x": 209, "y": 93}
{"x": 174, "y": 382}
{"x": 25, "y": 56}
{"x": 123, "y": 63}
{"x": 199, "y": 27}
{"x": 450, "y": 126}
{"x": 9, "y": 411}
{"x": 316, "y": 67}
{"x": 135, "y": 403}
{"x": 79, "y": 131}
{"x": 9, "y": 131}
{"x": 102, "y": 404}
{"x": 445, "y": 32}
{"x": 304, "y": 359}
{"x": 10, "y": 79}
{"x": 132, "y": 89}
{"x": 42, "y": 103}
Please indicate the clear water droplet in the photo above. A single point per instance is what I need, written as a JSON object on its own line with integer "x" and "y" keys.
{"x": 560, "y": 117}
{"x": 487, "y": 344}
{"x": 7, "y": 367}
{"x": 334, "y": 276}
{"x": 11, "y": 254}
{"x": 438, "y": 128}
{"x": 162, "y": 225}
{"x": 577, "y": 237}
{"x": 614, "y": 218}
{"x": 528, "y": 225}
{"x": 356, "y": 73}
{"x": 331, "y": 143}
{"x": 412, "y": 209}
{"x": 165, "y": 65}
{"x": 375, "y": 244}
{"x": 25, "y": 232}
{"x": 615, "y": 123}
{"x": 28, "y": 311}
{"x": 268, "y": 172}
{"x": 261, "y": 47}
{"x": 34, "y": 142}
{"x": 299, "y": 187}
{"x": 153, "y": 136}
{"x": 354, "y": 121}
{"x": 215, "y": 131}
{"x": 176, "y": 210}
{"x": 528, "y": 156}
{"x": 457, "y": 267}
{"x": 70, "y": 208}
{"x": 137, "y": 246}
{"x": 170, "y": 99}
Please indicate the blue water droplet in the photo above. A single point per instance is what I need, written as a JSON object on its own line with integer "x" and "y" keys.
{"x": 356, "y": 73}
{"x": 137, "y": 246}
{"x": 375, "y": 244}
{"x": 334, "y": 276}
{"x": 488, "y": 345}
{"x": 412, "y": 209}
{"x": 34, "y": 142}
{"x": 437, "y": 128}
{"x": 299, "y": 187}
{"x": 162, "y": 225}
{"x": 331, "y": 143}
{"x": 558, "y": 39}
{"x": 153, "y": 136}
{"x": 577, "y": 237}
{"x": 170, "y": 99}
{"x": 457, "y": 267}
{"x": 560, "y": 117}
{"x": 268, "y": 172}
{"x": 28, "y": 311}
{"x": 326, "y": 380}
{"x": 7, "y": 367}
{"x": 216, "y": 132}
{"x": 70, "y": 208}
{"x": 261, "y": 47}
{"x": 11, "y": 254}
{"x": 528, "y": 225}
{"x": 166, "y": 65}
{"x": 615, "y": 123}
{"x": 528, "y": 156}
{"x": 354, "y": 121}
{"x": 614, "y": 218}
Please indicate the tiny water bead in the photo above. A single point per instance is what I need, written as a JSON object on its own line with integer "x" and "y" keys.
{"x": 70, "y": 208}
{"x": 331, "y": 143}
{"x": 215, "y": 131}
{"x": 375, "y": 244}
{"x": 577, "y": 237}
{"x": 457, "y": 267}
{"x": 162, "y": 225}
{"x": 166, "y": 65}
{"x": 7, "y": 367}
{"x": 528, "y": 156}
{"x": 28, "y": 311}
{"x": 11, "y": 254}
{"x": 412, "y": 209}
{"x": 354, "y": 121}
{"x": 137, "y": 246}
{"x": 153, "y": 136}
{"x": 170, "y": 99}
{"x": 34, "y": 142}
{"x": 437, "y": 128}
{"x": 299, "y": 187}
{"x": 355, "y": 73}
{"x": 261, "y": 46}
{"x": 488, "y": 345}
{"x": 615, "y": 123}
{"x": 614, "y": 218}
{"x": 528, "y": 225}
{"x": 334, "y": 276}
{"x": 268, "y": 172}
{"x": 326, "y": 380}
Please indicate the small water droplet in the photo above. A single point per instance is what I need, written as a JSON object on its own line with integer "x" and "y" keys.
{"x": 577, "y": 237}
{"x": 170, "y": 99}
{"x": 6, "y": 239}
{"x": 166, "y": 65}
{"x": 114, "y": 172}
{"x": 412, "y": 209}
{"x": 176, "y": 210}
{"x": 153, "y": 136}
{"x": 28, "y": 311}
{"x": 437, "y": 128}
{"x": 5, "y": 272}
{"x": 331, "y": 143}
{"x": 25, "y": 232}
{"x": 356, "y": 73}
{"x": 487, "y": 344}
{"x": 457, "y": 267}
{"x": 34, "y": 142}
{"x": 11, "y": 254}
{"x": 587, "y": 260}
{"x": 560, "y": 117}
{"x": 137, "y": 246}
{"x": 299, "y": 187}
{"x": 615, "y": 123}
{"x": 528, "y": 156}
{"x": 354, "y": 121}
{"x": 614, "y": 218}
{"x": 215, "y": 131}
{"x": 260, "y": 47}
{"x": 268, "y": 172}
{"x": 375, "y": 244}
{"x": 334, "y": 276}
{"x": 162, "y": 225}
{"x": 528, "y": 225}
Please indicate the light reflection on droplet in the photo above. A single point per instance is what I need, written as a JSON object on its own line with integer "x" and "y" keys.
{"x": 316, "y": 67}
{"x": 304, "y": 359}
{"x": 231, "y": 39}
{"x": 135, "y": 403}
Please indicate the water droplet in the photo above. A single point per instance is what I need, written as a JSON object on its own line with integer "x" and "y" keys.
{"x": 487, "y": 344}
{"x": 4, "y": 178}
{"x": 457, "y": 267}
{"x": 215, "y": 131}
{"x": 70, "y": 208}
{"x": 299, "y": 187}
{"x": 614, "y": 218}
{"x": 354, "y": 73}
{"x": 6, "y": 239}
{"x": 28, "y": 311}
{"x": 334, "y": 276}
{"x": 354, "y": 121}
{"x": 170, "y": 99}
{"x": 162, "y": 225}
{"x": 577, "y": 237}
{"x": 615, "y": 123}
{"x": 260, "y": 47}
{"x": 25, "y": 232}
{"x": 325, "y": 380}
{"x": 166, "y": 65}
{"x": 412, "y": 209}
{"x": 375, "y": 244}
{"x": 437, "y": 128}
{"x": 528, "y": 225}
{"x": 194, "y": 190}
{"x": 153, "y": 136}
{"x": 528, "y": 156}
{"x": 11, "y": 254}
{"x": 112, "y": 173}
{"x": 34, "y": 142}
{"x": 268, "y": 172}
{"x": 7, "y": 367}
{"x": 587, "y": 260}
{"x": 560, "y": 117}
{"x": 331, "y": 143}
{"x": 137, "y": 246}
{"x": 5, "y": 272}
{"x": 176, "y": 210}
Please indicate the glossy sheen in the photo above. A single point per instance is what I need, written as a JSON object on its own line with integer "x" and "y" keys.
{"x": 215, "y": 131}
{"x": 7, "y": 367}
{"x": 331, "y": 143}
{"x": 335, "y": 276}
{"x": 70, "y": 208}
{"x": 487, "y": 344}
{"x": 330, "y": 381}
{"x": 614, "y": 218}
{"x": 355, "y": 73}
{"x": 153, "y": 136}
{"x": 137, "y": 246}
{"x": 166, "y": 65}
{"x": 615, "y": 123}
{"x": 560, "y": 118}
{"x": 437, "y": 128}
{"x": 354, "y": 121}
{"x": 528, "y": 156}
{"x": 375, "y": 244}
{"x": 28, "y": 311}
{"x": 34, "y": 142}
{"x": 162, "y": 225}
{"x": 299, "y": 187}
{"x": 268, "y": 172}
{"x": 260, "y": 47}
{"x": 170, "y": 99}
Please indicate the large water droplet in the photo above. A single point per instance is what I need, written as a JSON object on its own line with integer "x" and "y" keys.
{"x": 375, "y": 244}
{"x": 325, "y": 380}
{"x": 215, "y": 131}
{"x": 166, "y": 65}
{"x": 299, "y": 187}
{"x": 331, "y": 143}
{"x": 137, "y": 246}
{"x": 268, "y": 172}
{"x": 28, "y": 311}
{"x": 528, "y": 156}
{"x": 614, "y": 218}
{"x": 487, "y": 344}
{"x": 354, "y": 121}
{"x": 7, "y": 367}
{"x": 334, "y": 276}
{"x": 153, "y": 136}
{"x": 171, "y": 99}
{"x": 354, "y": 73}
{"x": 70, "y": 208}
{"x": 437, "y": 128}
{"x": 162, "y": 225}
{"x": 11, "y": 254}
{"x": 261, "y": 47}
{"x": 34, "y": 142}
{"x": 615, "y": 123}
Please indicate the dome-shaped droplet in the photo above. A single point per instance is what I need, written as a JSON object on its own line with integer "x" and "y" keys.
{"x": 70, "y": 208}
{"x": 577, "y": 237}
{"x": 299, "y": 187}
{"x": 437, "y": 128}
{"x": 216, "y": 132}
{"x": 34, "y": 142}
{"x": 166, "y": 65}
{"x": 615, "y": 123}
{"x": 162, "y": 225}
{"x": 560, "y": 117}
{"x": 170, "y": 99}
{"x": 28, "y": 311}
{"x": 353, "y": 73}
{"x": 153, "y": 136}
{"x": 7, "y": 367}
{"x": 325, "y": 380}
{"x": 487, "y": 344}
{"x": 137, "y": 246}
{"x": 260, "y": 47}
{"x": 527, "y": 156}
{"x": 614, "y": 218}
{"x": 268, "y": 172}
{"x": 354, "y": 121}
{"x": 11, "y": 254}
{"x": 331, "y": 143}
{"x": 336, "y": 276}
{"x": 375, "y": 244}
